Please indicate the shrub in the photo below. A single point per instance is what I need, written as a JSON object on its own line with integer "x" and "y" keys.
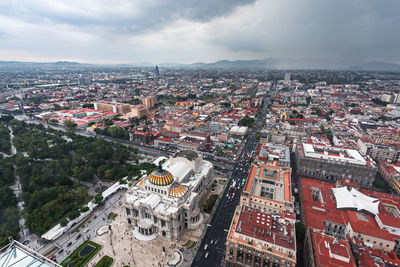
{"x": 106, "y": 261}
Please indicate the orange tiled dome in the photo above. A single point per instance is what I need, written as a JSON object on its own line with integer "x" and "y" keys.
{"x": 177, "y": 190}
{"x": 162, "y": 177}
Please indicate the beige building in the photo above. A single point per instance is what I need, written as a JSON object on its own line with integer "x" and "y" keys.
{"x": 149, "y": 102}
{"x": 120, "y": 108}
{"x": 262, "y": 231}
{"x": 139, "y": 111}
{"x": 268, "y": 188}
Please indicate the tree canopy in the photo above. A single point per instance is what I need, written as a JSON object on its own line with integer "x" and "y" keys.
{"x": 53, "y": 169}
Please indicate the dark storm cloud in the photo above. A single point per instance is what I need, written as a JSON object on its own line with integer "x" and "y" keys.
{"x": 358, "y": 29}
{"x": 120, "y": 16}
{"x": 203, "y": 30}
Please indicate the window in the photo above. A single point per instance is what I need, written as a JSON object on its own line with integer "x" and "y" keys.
{"x": 146, "y": 213}
{"x": 267, "y": 192}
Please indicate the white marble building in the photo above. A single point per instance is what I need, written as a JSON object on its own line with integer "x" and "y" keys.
{"x": 166, "y": 202}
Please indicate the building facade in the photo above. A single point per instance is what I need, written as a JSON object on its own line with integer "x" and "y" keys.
{"x": 365, "y": 224}
{"x": 256, "y": 238}
{"x": 149, "y": 102}
{"x": 378, "y": 152}
{"x": 139, "y": 111}
{"x": 334, "y": 163}
{"x": 268, "y": 188}
{"x": 323, "y": 250}
{"x": 120, "y": 108}
{"x": 166, "y": 202}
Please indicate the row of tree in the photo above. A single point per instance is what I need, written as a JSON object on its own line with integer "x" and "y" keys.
{"x": 113, "y": 131}
{"x": 8, "y": 203}
{"x": 5, "y": 145}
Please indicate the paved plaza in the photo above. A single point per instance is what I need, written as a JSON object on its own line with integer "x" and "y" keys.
{"x": 120, "y": 244}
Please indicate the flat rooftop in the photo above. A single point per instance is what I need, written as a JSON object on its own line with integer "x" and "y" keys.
{"x": 263, "y": 226}
{"x": 320, "y": 205}
{"x": 271, "y": 175}
{"x": 331, "y": 153}
{"x": 331, "y": 252}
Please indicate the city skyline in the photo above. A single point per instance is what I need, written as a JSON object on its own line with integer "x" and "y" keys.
{"x": 340, "y": 33}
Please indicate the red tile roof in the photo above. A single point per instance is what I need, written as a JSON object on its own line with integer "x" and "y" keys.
{"x": 331, "y": 252}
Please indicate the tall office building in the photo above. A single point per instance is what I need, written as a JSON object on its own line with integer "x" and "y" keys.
{"x": 287, "y": 77}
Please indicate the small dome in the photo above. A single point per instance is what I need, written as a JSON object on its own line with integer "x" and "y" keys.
{"x": 141, "y": 182}
{"x": 161, "y": 177}
{"x": 177, "y": 190}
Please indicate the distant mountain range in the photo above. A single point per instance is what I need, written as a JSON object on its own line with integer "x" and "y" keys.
{"x": 288, "y": 64}
{"x": 377, "y": 66}
{"x": 262, "y": 64}
{"x": 42, "y": 65}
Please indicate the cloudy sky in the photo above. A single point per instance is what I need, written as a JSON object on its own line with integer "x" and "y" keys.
{"x": 186, "y": 31}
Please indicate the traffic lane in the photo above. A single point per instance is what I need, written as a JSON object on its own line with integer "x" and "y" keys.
{"x": 217, "y": 231}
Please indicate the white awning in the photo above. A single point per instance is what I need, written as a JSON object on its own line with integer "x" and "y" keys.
{"x": 354, "y": 199}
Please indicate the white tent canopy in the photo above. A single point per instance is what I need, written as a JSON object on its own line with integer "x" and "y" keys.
{"x": 354, "y": 199}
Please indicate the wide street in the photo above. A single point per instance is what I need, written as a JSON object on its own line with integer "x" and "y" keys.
{"x": 212, "y": 248}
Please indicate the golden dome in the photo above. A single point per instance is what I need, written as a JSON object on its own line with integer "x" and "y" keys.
{"x": 177, "y": 190}
{"x": 162, "y": 177}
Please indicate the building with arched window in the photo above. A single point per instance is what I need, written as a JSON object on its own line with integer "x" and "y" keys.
{"x": 166, "y": 202}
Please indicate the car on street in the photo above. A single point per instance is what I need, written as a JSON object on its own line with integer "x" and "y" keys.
{"x": 77, "y": 237}
{"x": 206, "y": 246}
{"x": 69, "y": 244}
{"x": 206, "y": 256}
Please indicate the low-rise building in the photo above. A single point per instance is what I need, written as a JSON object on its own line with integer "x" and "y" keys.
{"x": 345, "y": 212}
{"x": 322, "y": 250}
{"x": 391, "y": 173}
{"x": 257, "y": 238}
{"x": 333, "y": 163}
{"x": 273, "y": 154}
{"x": 268, "y": 188}
{"x": 377, "y": 151}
